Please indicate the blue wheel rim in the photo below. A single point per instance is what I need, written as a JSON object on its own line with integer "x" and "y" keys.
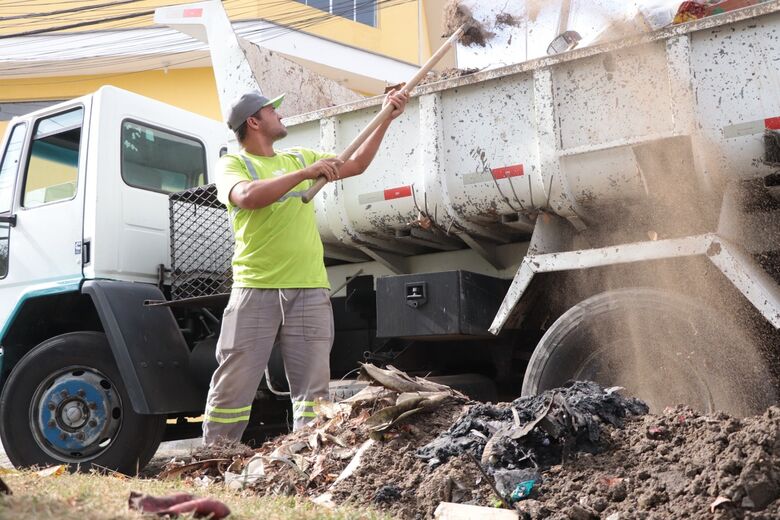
{"x": 75, "y": 414}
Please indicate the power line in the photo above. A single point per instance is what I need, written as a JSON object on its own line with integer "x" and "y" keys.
{"x": 86, "y": 36}
{"x": 295, "y": 21}
{"x": 65, "y": 11}
{"x": 272, "y": 32}
{"x": 27, "y": 2}
{"x": 294, "y": 18}
{"x": 39, "y": 20}
{"x": 42, "y": 25}
{"x": 159, "y": 48}
{"x": 76, "y": 25}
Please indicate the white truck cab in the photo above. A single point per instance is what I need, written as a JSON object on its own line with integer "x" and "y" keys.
{"x": 102, "y": 164}
{"x": 84, "y": 193}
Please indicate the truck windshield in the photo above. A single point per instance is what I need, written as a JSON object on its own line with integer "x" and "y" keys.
{"x": 8, "y": 169}
{"x": 158, "y": 160}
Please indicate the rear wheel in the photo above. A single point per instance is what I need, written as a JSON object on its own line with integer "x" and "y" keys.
{"x": 664, "y": 348}
{"x": 65, "y": 403}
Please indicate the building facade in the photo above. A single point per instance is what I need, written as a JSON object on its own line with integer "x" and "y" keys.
{"x": 54, "y": 51}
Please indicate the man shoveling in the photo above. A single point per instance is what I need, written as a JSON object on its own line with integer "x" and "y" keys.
{"x": 280, "y": 287}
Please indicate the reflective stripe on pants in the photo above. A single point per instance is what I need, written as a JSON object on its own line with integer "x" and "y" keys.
{"x": 228, "y": 415}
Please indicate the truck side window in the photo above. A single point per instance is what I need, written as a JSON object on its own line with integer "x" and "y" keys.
{"x": 9, "y": 165}
{"x": 158, "y": 160}
{"x": 53, "y": 169}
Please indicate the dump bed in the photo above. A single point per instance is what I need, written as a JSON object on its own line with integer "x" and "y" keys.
{"x": 599, "y": 128}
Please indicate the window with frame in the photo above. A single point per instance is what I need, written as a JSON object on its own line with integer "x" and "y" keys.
{"x": 159, "y": 160}
{"x": 53, "y": 167}
{"x": 361, "y": 11}
{"x": 9, "y": 166}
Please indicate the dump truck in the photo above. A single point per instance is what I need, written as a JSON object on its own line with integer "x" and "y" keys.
{"x": 609, "y": 213}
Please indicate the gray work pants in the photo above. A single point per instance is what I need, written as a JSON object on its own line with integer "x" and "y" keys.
{"x": 301, "y": 322}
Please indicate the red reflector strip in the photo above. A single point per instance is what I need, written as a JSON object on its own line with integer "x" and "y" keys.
{"x": 398, "y": 193}
{"x": 193, "y": 13}
{"x": 773, "y": 123}
{"x": 505, "y": 172}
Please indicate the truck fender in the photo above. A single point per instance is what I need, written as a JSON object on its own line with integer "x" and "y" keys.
{"x": 149, "y": 349}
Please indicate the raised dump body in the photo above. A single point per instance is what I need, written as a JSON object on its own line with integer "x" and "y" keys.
{"x": 625, "y": 173}
{"x": 586, "y": 135}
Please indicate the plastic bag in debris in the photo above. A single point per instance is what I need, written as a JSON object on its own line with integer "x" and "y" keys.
{"x": 534, "y": 431}
{"x": 508, "y": 480}
{"x": 253, "y": 470}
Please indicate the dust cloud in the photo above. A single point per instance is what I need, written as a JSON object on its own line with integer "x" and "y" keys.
{"x": 533, "y": 8}
{"x": 457, "y": 14}
{"x": 691, "y": 337}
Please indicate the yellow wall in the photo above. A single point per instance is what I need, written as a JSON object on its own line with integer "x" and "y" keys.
{"x": 396, "y": 33}
{"x": 192, "y": 89}
{"x": 47, "y": 173}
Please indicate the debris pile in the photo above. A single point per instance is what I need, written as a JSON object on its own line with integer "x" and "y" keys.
{"x": 317, "y": 461}
{"x": 535, "y": 431}
{"x": 680, "y": 464}
{"x": 405, "y": 445}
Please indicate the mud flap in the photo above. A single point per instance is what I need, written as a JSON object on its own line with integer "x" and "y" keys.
{"x": 148, "y": 347}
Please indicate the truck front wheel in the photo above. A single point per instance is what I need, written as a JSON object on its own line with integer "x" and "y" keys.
{"x": 662, "y": 347}
{"x": 65, "y": 403}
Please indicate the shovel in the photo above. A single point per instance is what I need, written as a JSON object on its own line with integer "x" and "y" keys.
{"x": 386, "y": 111}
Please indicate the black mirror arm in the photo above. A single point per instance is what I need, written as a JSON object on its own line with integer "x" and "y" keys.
{"x": 8, "y": 219}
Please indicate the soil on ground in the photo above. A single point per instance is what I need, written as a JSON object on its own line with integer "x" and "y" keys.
{"x": 679, "y": 464}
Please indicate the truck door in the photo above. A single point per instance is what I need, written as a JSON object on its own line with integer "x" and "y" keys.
{"x": 42, "y": 205}
{"x": 152, "y": 149}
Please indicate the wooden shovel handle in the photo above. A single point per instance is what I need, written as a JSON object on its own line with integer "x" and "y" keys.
{"x": 385, "y": 112}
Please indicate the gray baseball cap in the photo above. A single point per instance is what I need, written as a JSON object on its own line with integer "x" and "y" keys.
{"x": 247, "y": 105}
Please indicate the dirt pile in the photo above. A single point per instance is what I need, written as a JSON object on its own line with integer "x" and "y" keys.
{"x": 575, "y": 452}
{"x": 679, "y": 464}
{"x": 457, "y": 14}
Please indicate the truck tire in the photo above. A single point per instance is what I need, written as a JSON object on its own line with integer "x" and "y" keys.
{"x": 65, "y": 403}
{"x": 662, "y": 347}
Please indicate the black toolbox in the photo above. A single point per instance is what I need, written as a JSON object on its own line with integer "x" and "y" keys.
{"x": 431, "y": 305}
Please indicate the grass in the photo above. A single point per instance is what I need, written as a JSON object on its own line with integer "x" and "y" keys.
{"x": 94, "y": 496}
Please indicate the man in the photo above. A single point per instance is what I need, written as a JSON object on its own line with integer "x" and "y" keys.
{"x": 280, "y": 287}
